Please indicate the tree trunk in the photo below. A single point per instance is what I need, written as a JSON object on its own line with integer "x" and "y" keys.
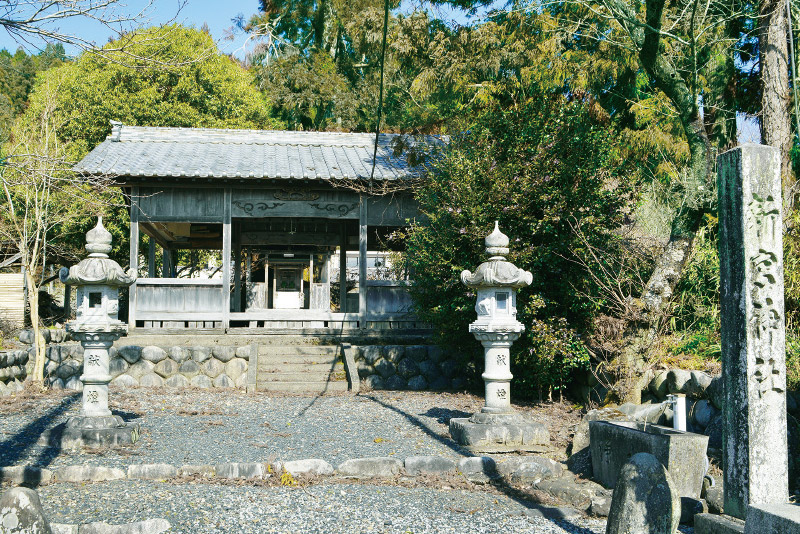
{"x": 776, "y": 129}
{"x": 38, "y": 339}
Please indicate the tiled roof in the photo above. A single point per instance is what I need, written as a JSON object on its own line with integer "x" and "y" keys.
{"x": 138, "y": 151}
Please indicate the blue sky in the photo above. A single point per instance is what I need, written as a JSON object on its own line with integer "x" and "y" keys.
{"x": 217, "y": 14}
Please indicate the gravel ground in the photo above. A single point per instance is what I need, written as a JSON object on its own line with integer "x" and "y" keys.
{"x": 323, "y": 508}
{"x": 207, "y": 427}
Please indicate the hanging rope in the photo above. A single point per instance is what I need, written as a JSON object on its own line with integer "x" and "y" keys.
{"x": 380, "y": 97}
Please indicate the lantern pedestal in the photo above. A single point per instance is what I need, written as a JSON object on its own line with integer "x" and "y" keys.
{"x": 497, "y": 427}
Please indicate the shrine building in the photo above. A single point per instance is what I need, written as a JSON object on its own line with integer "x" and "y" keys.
{"x": 278, "y": 208}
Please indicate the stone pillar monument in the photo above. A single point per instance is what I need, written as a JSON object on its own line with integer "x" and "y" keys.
{"x": 497, "y": 427}
{"x": 753, "y": 343}
{"x": 98, "y": 279}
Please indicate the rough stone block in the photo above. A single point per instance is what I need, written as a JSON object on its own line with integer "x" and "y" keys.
{"x": 717, "y": 524}
{"x": 125, "y": 381}
{"x": 678, "y": 380}
{"x": 224, "y": 353}
{"x": 189, "y": 369}
{"x": 177, "y": 381}
{"x": 88, "y": 473}
{"x": 428, "y": 465}
{"x": 417, "y": 383}
{"x": 151, "y": 380}
{"x": 213, "y": 368}
{"x": 248, "y": 470}
{"x": 236, "y": 368}
{"x": 117, "y": 366}
{"x": 53, "y": 354}
{"x": 578, "y": 493}
{"x": 223, "y": 381}
{"x": 372, "y": 353}
{"x": 153, "y": 354}
{"x": 407, "y": 368}
{"x": 418, "y": 353}
{"x": 244, "y": 352}
{"x": 370, "y": 467}
{"x": 698, "y": 384}
{"x": 385, "y": 368}
{"x": 690, "y": 508}
{"x": 139, "y": 369}
{"x": 429, "y": 370}
{"x": 73, "y": 383}
{"x": 21, "y": 512}
{"x": 24, "y": 474}
{"x": 201, "y": 354}
{"x": 645, "y": 501}
{"x": 773, "y": 519}
{"x": 201, "y": 381}
{"x": 152, "y": 471}
{"x": 130, "y": 353}
{"x": 179, "y": 354}
{"x": 394, "y": 353}
{"x": 682, "y": 453}
{"x": 166, "y": 368}
{"x": 435, "y": 353}
{"x": 395, "y": 382}
{"x": 364, "y": 369}
{"x": 449, "y": 368}
{"x": 529, "y": 469}
{"x": 374, "y": 382}
{"x": 310, "y": 466}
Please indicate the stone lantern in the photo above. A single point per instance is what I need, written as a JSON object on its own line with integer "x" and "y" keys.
{"x": 497, "y": 427}
{"x": 98, "y": 279}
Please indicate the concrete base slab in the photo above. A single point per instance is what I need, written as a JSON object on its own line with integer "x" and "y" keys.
{"x": 773, "y": 519}
{"x": 97, "y": 432}
{"x": 499, "y": 433}
{"x": 717, "y": 524}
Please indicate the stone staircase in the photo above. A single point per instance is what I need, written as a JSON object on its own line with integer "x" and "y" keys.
{"x": 302, "y": 368}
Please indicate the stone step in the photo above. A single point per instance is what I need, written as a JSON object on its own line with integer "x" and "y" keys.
{"x": 300, "y": 377}
{"x": 307, "y": 359}
{"x": 303, "y": 387}
{"x": 299, "y": 350}
{"x": 294, "y": 367}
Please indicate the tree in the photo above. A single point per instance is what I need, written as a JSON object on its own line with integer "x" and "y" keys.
{"x": 776, "y": 123}
{"x": 69, "y": 112}
{"x": 40, "y": 194}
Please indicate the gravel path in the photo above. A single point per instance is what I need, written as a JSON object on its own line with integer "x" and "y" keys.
{"x": 207, "y": 427}
{"x": 323, "y": 508}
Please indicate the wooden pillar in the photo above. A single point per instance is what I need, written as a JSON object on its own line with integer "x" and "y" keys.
{"x": 166, "y": 259}
{"x": 237, "y": 270}
{"x": 134, "y": 258}
{"x": 362, "y": 263}
{"x": 226, "y": 260}
{"x": 343, "y": 269}
{"x": 151, "y": 258}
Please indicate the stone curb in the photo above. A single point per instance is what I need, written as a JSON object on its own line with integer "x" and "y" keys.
{"x": 539, "y": 472}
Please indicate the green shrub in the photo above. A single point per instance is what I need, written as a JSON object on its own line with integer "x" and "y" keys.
{"x": 544, "y": 168}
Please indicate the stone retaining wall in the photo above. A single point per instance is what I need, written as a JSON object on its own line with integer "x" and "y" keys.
{"x": 13, "y": 370}
{"x": 394, "y": 367}
{"x": 414, "y": 367}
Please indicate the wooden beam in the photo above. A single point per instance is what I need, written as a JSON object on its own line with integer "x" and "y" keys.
{"x": 134, "y": 257}
{"x": 284, "y": 238}
{"x": 226, "y": 259}
{"x": 362, "y": 262}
